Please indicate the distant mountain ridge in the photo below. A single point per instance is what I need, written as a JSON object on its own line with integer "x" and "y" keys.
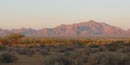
{"x": 85, "y": 29}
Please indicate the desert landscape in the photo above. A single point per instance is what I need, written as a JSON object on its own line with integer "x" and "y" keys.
{"x": 64, "y": 52}
{"x": 64, "y": 32}
{"x": 18, "y": 49}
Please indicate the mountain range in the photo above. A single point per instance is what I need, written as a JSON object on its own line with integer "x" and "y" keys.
{"x": 84, "y": 29}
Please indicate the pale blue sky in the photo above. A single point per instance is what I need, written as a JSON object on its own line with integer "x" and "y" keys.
{"x": 50, "y": 13}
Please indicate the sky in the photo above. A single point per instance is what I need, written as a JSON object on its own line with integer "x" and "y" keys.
{"x": 40, "y": 14}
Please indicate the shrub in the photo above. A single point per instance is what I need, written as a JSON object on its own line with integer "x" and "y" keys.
{"x": 3, "y": 47}
{"x": 109, "y": 58}
{"x": 73, "y": 54}
{"x": 57, "y": 59}
{"x": 78, "y": 44}
{"x": 7, "y": 57}
{"x": 93, "y": 46}
{"x": 43, "y": 51}
{"x": 25, "y": 51}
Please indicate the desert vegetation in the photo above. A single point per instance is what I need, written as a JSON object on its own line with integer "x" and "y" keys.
{"x": 16, "y": 49}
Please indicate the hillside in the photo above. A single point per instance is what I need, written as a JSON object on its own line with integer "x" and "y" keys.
{"x": 90, "y": 28}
